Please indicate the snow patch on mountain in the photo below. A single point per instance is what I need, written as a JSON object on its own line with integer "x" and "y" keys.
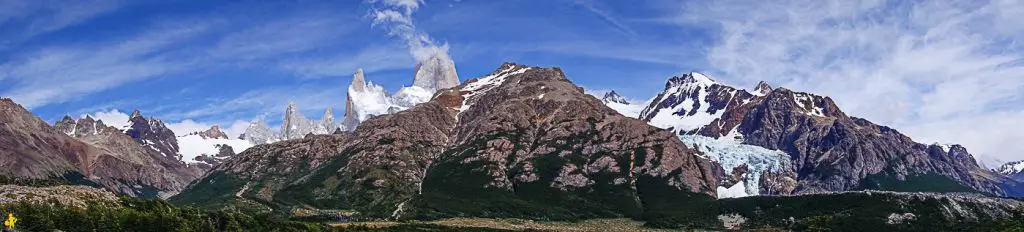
{"x": 730, "y": 154}
{"x": 194, "y": 145}
{"x": 481, "y": 85}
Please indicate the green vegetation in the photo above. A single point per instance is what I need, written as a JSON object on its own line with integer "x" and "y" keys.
{"x": 929, "y": 182}
{"x": 65, "y": 179}
{"x": 833, "y": 212}
{"x": 144, "y": 215}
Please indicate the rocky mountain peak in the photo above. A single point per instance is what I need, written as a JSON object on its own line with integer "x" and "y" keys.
{"x": 135, "y": 114}
{"x": 612, "y": 96}
{"x": 328, "y": 118}
{"x": 689, "y": 79}
{"x": 259, "y": 133}
{"x": 762, "y": 89}
{"x": 358, "y": 81}
{"x": 436, "y": 72}
{"x": 1015, "y": 168}
{"x": 85, "y": 126}
{"x": 213, "y": 133}
{"x": 153, "y": 133}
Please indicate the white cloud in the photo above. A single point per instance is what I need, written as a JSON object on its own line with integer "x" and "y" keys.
{"x": 942, "y": 71}
{"x": 114, "y": 118}
{"x": 396, "y": 15}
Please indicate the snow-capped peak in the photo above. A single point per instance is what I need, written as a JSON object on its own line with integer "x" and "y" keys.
{"x": 612, "y": 96}
{"x": 762, "y": 89}
{"x": 1012, "y": 168}
{"x": 686, "y": 104}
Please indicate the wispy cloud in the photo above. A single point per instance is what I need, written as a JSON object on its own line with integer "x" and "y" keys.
{"x": 268, "y": 102}
{"x": 44, "y": 16}
{"x": 944, "y": 71}
{"x": 397, "y": 17}
{"x": 371, "y": 59}
{"x": 603, "y": 12}
{"x": 302, "y": 31}
{"x": 59, "y": 74}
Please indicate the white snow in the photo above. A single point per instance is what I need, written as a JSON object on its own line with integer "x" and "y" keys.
{"x": 730, "y": 154}
{"x": 541, "y": 96}
{"x": 1012, "y": 168}
{"x": 800, "y": 98}
{"x": 944, "y": 146}
{"x": 373, "y": 100}
{"x": 667, "y": 118}
{"x": 736, "y": 191}
{"x": 484, "y": 84}
{"x": 629, "y": 110}
{"x": 192, "y": 146}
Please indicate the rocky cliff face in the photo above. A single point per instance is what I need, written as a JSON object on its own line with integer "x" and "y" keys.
{"x": 152, "y": 133}
{"x": 259, "y": 133}
{"x": 830, "y": 151}
{"x": 32, "y": 149}
{"x": 436, "y": 73}
{"x": 522, "y": 135}
{"x": 88, "y": 151}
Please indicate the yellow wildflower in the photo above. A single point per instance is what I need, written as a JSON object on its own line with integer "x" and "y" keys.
{"x": 9, "y": 223}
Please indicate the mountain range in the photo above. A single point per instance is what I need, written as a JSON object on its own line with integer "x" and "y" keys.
{"x": 522, "y": 142}
{"x": 829, "y": 151}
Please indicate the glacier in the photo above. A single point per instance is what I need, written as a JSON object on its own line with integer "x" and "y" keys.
{"x": 731, "y": 154}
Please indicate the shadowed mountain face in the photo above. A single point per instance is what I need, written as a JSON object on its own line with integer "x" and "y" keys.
{"x": 830, "y": 150}
{"x": 518, "y": 139}
{"x": 86, "y": 151}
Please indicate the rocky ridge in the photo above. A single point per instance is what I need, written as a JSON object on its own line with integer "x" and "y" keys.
{"x": 520, "y": 135}
{"x": 830, "y": 151}
{"x": 85, "y": 151}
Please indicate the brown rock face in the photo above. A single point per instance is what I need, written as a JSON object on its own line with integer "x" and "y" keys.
{"x": 521, "y": 134}
{"x": 126, "y": 166}
{"x": 152, "y": 133}
{"x": 32, "y": 149}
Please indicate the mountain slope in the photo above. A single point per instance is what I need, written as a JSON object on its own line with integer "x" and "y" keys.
{"x": 520, "y": 138}
{"x": 126, "y": 166}
{"x": 96, "y": 155}
{"x": 830, "y": 151}
{"x": 31, "y": 149}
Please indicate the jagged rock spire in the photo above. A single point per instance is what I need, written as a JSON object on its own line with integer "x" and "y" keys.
{"x": 436, "y": 72}
{"x": 762, "y": 89}
{"x": 135, "y": 113}
{"x": 358, "y": 81}
{"x": 613, "y": 96}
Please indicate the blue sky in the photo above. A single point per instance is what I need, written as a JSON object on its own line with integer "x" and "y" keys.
{"x": 940, "y": 71}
